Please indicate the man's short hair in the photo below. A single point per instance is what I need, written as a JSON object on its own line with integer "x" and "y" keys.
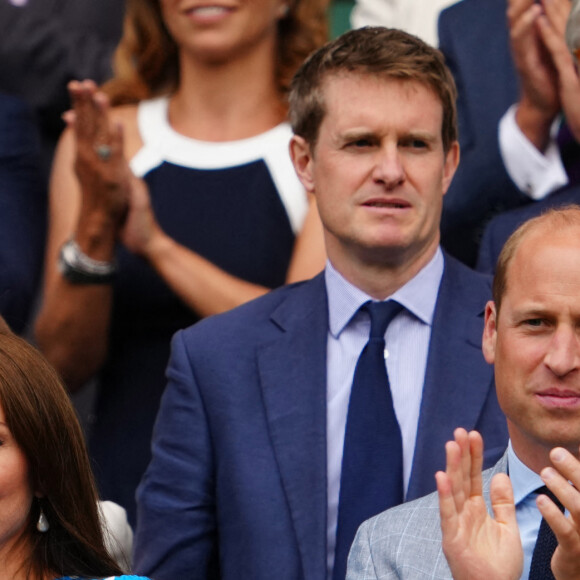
{"x": 377, "y": 51}
{"x": 554, "y": 219}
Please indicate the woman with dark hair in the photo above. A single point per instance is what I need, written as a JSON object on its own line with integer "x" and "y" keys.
{"x": 49, "y": 520}
{"x": 222, "y": 219}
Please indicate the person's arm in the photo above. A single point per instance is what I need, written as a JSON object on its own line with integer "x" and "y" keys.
{"x": 566, "y": 470}
{"x": 477, "y": 546}
{"x": 73, "y": 322}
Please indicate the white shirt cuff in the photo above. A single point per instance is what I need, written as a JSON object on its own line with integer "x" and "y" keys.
{"x": 536, "y": 174}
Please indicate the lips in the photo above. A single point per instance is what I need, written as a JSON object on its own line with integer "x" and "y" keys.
{"x": 387, "y": 203}
{"x": 559, "y": 398}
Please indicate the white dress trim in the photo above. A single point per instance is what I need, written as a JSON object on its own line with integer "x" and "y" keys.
{"x": 162, "y": 143}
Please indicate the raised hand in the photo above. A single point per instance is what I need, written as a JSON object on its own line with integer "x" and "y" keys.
{"x": 100, "y": 165}
{"x": 477, "y": 546}
{"x": 550, "y": 26}
{"x": 540, "y": 99}
{"x": 566, "y": 558}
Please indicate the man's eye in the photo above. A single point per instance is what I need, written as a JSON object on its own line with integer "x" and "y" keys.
{"x": 361, "y": 143}
{"x": 534, "y": 322}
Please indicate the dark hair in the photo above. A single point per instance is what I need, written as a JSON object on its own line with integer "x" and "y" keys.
{"x": 554, "y": 219}
{"x": 44, "y": 425}
{"x": 383, "y": 52}
{"x": 147, "y": 64}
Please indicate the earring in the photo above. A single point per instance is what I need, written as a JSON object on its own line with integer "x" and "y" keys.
{"x": 42, "y": 524}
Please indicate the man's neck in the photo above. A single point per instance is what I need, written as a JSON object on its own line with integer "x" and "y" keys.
{"x": 380, "y": 278}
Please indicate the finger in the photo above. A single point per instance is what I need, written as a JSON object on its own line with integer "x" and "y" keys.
{"x": 557, "y": 12}
{"x": 565, "y": 530}
{"x": 462, "y": 439}
{"x": 566, "y": 465}
{"x": 447, "y": 506}
{"x": 454, "y": 473}
{"x": 502, "y": 501}
{"x": 566, "y": 470}
{"x": 81, "y": 94}
{"x": 516, "y": 8}
{"x": 522, "y": 20}
{"x": 476, "y": 452}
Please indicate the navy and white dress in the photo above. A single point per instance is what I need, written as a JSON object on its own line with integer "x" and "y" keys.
{"x": 239, "y": 204}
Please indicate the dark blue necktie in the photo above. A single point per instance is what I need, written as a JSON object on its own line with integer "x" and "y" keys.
{"x": 546, "y": 544}
{"x": 372, "y": 461}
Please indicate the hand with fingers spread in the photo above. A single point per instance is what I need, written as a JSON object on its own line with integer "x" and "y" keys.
{"x": 100, "y": 164}
{"x": 540, "y": 99}
{"x": 566, "y": 559}
{"x": 477, "y": 546}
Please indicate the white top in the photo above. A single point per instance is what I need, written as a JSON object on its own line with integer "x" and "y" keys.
{"x": 161, "y": 143}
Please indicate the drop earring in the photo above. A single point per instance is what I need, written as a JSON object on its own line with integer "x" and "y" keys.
{"x": 42, "y": 524}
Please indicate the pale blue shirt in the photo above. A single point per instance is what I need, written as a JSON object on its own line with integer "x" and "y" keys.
{"x": 525, "y": 482}
{"x": 407, "y": 344}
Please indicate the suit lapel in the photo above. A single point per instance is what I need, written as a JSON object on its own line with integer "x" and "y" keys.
{"x": 454, "y": 362}
{"x": 292, "y": 371}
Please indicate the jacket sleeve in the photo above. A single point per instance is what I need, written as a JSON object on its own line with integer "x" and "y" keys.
{"x": 176, "y": 534}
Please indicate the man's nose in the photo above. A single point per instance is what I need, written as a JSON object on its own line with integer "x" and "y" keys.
{"x": 388, "y": 167}
{"x": 563, "y": 354}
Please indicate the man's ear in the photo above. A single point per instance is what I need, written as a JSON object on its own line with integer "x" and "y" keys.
{"x": 302, "y": 158}
{"x": 489, "y": 339}
{"x": 451, "y": 163}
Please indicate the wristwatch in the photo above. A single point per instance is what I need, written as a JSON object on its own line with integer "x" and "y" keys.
{"x": 78, "y": 268}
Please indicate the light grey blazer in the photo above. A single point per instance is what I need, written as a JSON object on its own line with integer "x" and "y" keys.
{"x": 405, "y": 542}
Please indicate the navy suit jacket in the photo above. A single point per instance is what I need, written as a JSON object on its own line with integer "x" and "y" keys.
{"x": 237, "y": 487}
{"x": 474, "y": 38}
{"x": 22, "y": 211}
{"x": 501, "y": 227}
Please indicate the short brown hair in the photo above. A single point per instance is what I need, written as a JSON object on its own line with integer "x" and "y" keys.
{"x": 44, "y": 425}
{"x": 146, "y": 60}
{"x": 384, "y": 52}
{"x": 554, "y": 218}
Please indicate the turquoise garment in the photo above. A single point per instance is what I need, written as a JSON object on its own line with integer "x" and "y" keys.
{"x": 112, "y": 578}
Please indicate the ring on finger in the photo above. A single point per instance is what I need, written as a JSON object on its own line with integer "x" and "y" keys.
{"x": 103, "y": 152}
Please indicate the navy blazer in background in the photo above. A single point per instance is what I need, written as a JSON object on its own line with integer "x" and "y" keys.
{"x": 474, "y": 38}
{"x": 237, "y": 487}
{"x": 502, "y": 227}
{"x": 22, "y": 211}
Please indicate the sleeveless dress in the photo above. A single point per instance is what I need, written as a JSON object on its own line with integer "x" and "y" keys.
{"x": 239, "y": 204}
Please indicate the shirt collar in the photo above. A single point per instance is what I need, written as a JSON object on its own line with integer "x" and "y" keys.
{"x": 524, "y": 480}
{"x": 418, "y": 295}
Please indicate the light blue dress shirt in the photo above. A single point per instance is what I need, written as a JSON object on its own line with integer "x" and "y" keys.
{"x": 407, "y": 344}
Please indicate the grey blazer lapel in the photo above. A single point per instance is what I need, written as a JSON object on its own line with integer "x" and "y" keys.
{"x": 292, "y": 371}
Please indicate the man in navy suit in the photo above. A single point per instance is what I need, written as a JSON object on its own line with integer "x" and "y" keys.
{"x": 509, "y": 108}
{"x": 247, "y": 450}
{"x": 22, "y": 211}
